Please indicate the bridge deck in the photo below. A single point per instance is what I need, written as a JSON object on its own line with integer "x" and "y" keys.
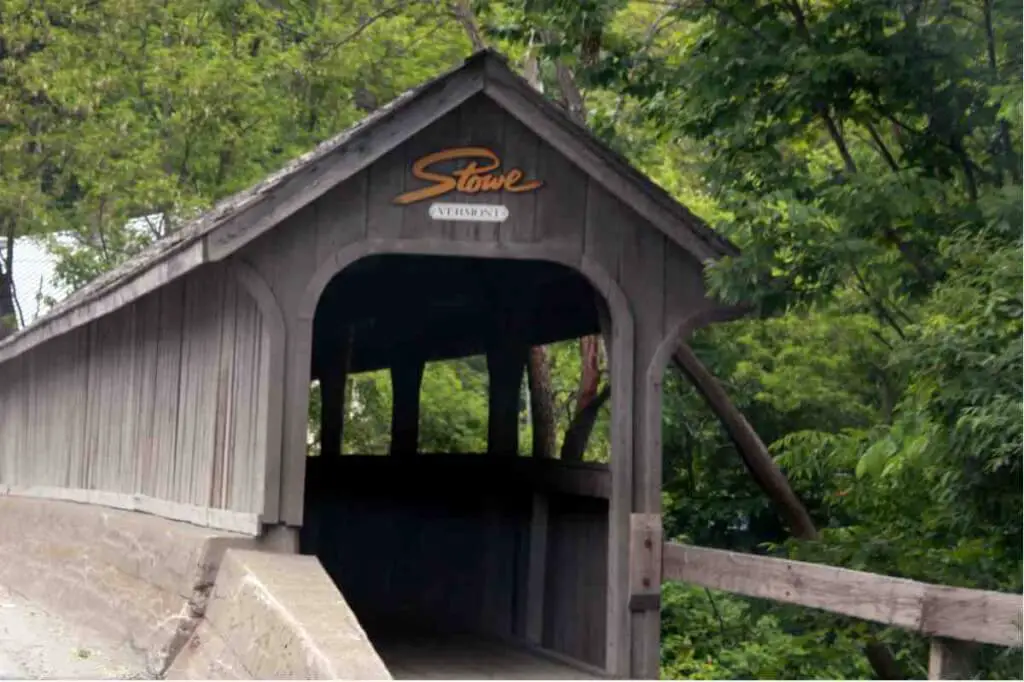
{"x": 423, "y": 656}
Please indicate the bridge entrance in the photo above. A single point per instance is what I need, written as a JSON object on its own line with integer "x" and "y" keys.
{"x": 466, "y": 564}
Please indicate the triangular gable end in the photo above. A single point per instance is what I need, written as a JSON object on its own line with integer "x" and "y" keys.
{"x": 485, "y": 72}
{"x": 241, "y": 218}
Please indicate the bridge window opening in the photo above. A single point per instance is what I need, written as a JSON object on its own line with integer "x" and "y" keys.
{"x": 453, "y": 406}
{"x": 429, "y": 500}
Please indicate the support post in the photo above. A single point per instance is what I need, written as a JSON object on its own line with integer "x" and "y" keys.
{"x": 406, "y": 377}
{"x": 332, "y": 400}
{"x": 332, "y": 412}
{"x": 280, "y": 539}
{"x": 505, "y": 366}
{"x": 950, "y": 659}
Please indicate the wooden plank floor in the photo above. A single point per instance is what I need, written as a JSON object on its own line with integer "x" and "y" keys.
{"x": 465, "y": 657}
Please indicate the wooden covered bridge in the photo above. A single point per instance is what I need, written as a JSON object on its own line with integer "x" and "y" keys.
{"x": 468, "y": 217}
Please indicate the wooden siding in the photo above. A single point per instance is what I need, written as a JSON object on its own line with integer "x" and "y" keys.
{"x": 442, "y": 542}
{"x": 572, "y": 219}
{"x": 653, "y": 287}
{"x": 162, "y": 400}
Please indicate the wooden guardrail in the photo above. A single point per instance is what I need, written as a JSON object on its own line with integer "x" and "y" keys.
{"x": 953, "y": 617}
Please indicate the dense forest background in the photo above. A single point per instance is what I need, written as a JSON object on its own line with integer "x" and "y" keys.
{"x": 864, "y": 154}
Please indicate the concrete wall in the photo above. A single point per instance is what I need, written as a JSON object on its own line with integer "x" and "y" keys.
{"x": 275, "y": 616}
{"x": 194, "y": 599}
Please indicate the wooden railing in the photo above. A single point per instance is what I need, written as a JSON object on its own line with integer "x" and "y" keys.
{"x": 954, "y": 617}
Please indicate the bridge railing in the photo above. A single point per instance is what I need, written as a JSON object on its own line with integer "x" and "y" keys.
{"x": 953, "y": 617}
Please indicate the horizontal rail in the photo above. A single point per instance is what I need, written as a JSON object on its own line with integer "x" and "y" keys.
{"x": 440, "y": 470}
{"x": 934, "y": 610}
{"x": 245, "y": 523}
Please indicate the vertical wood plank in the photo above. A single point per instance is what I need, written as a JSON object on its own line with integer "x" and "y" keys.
{"x": 561, "y": 202}
{"x": 505, "y": 367}
{"x": 387, "y": 181}
{"x": 481, "y": 124}
{"x": 537, "y": 570}
{"x": 341, "y": 216}
{"x": 416, "y": 221}
{"x": 519, "y": 149}
{"x": 950, "y": 660}
{"x": 168, "y": 383}
{"x": 642, "y": 278}
{"x": 147, "y": 338}
{"x": 224, "y": 414}
{"x": 406, "y": 378}
{"x": 684, "y": 287}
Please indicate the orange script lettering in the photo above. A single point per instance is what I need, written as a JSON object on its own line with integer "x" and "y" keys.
{"x": 473, "y": 178}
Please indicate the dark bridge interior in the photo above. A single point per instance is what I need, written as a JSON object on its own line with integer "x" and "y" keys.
{"x": 467, "y": 550}
{"x": 436, "y": 308}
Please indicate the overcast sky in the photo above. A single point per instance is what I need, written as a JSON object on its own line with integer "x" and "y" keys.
{"x": 33, "y": 272}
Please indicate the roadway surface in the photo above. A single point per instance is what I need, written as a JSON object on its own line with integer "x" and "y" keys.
{"x": 35, "y": 644}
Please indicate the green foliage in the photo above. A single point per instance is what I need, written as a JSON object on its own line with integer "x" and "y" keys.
{"x": 453, "y": 406}
{"x": 866, "y": 157}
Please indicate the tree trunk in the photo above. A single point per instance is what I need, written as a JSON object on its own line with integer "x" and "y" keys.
{"x": 541, "y": 403}
{"x": 8, "y": 309}
{"x": 755, "y": 455}
{"x": 590, "y": 371}
{"x": 769, "y": 478}
{"x": 578, "y": 434}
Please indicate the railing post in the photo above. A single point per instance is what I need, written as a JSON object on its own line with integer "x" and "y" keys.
{"x": 950, "y": 659}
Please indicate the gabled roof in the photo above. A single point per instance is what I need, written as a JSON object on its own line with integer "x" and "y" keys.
{"x": 240, "y": 218}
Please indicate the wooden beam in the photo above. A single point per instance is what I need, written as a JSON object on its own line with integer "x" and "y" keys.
{"x": 645, "y": 546}
{"x": 958, "y": 613}
{"x": 505, "y": 367}
{"x": 332, "y": 397}
{"x": 221, "y": 519}
{"x": 406, "y": 378}
{"x": 448, "y": 470}
{"x": 950, "y": 660}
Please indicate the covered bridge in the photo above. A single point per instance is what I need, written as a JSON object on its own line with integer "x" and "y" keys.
{"x": 468, "y": 217}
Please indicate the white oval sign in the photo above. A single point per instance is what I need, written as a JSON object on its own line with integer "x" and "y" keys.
{"x": 475, "y": 213}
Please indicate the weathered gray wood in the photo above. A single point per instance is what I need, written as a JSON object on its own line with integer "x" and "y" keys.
{"x": 950, "y": 660}
{"x": 222, "y": 519}
{"x": 561, "y": 202}
{"x": 347, "y": 160}
{"x": 405, "y": 414}
{"x": 157, "y": 275}
{"x": 332, "y": 402}
{"x": 645, "y": 562}
{"x": 573, "y": 142}
{"x": 576, "y": 584}
{"x": 414, "y": 220}
{"x": 505, "y": 365}
{"x": 519, "y": 150}
{"x": 969, "y": 615}
{"x": 388, "y": 179}
{"x": 481, "y": 123}
{"x": 537, "y": 569}
{"x": 262, "y": 345}
{"x": 641, "y": 275}
{"x": 341, "y": 216}
{"x": 973, "y": 615}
